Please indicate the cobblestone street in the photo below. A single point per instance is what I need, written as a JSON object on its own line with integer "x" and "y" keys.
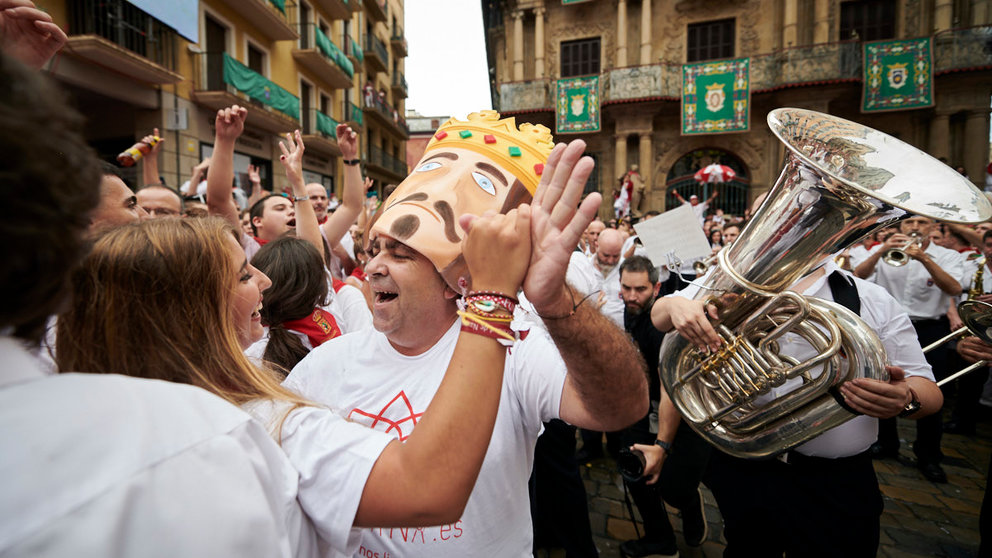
{"x": 920, "y": 518}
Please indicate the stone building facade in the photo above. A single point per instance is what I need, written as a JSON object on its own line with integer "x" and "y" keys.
{"x": 803, "y": 53}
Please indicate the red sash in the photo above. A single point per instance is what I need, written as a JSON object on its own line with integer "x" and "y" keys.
{"x": 318, "y": 327}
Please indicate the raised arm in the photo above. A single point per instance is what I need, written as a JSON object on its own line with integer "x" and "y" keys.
{"x": 606, "y": 385}
{"x": 678, "y": 196}
{"x": 149, "y": 165}
{"x": 197, "y": 175}
{"x": 292, "y": 162}
{"x": 256, "y": 185}
{"x": 712, "y": 197}
{"x": 427, "y": 479}
{"x": 230, "y": 122}
{"x": 344, "y": 216}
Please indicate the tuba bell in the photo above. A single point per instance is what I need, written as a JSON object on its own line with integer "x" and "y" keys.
{"x": 841, "y": 181}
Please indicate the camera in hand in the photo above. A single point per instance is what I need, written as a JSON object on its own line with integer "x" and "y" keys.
{"x": 630, "y": 463}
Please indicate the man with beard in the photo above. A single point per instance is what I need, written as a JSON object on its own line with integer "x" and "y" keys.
{"x": 598, "y": 276}
{"x": 681, "y": 475}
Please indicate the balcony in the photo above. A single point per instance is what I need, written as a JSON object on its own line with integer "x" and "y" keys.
{"x": 807, "y": 65}
{"x": 376, "y": 56}
{"x": 383, "y": 113}
{"x": 321, "y": 56}
{"x": 525, "y": 96}
{"x": 398, "y": 41}
{"x": 379, "y": 160}
{"x": 377, "y": 10}
{"x": 116, "y": 35}
{"x": 963, "y": 49}
{"x": 222, "y": 81}
{"x": 353, "y": 115}
{"x": 320, "y": 134}
{"x": 268, "y": 16}
{"x": 353, "y": 50}
{"x": 399, "y": 85}
{"x": 336, "y": 9}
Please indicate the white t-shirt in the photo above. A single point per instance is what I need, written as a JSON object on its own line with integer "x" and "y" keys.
{"x": 913, "y": 286}
{"x": 587, "y": 279}
{"x": 882, "y": 314}
{"x": 333, "y": 457}
{"x": 106, "y": 465}
{"x": 363, "y": 377}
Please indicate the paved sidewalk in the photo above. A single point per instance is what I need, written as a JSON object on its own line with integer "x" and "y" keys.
{"x": 920, "y": 518}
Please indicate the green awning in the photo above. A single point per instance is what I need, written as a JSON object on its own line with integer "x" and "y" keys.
{"x": 259, "y": 88}
{"x": 281, "y": 4}
{"x": 326, "y": 125}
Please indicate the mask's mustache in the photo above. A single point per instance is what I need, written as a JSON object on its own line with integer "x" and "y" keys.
{"x": 448, "y": 215}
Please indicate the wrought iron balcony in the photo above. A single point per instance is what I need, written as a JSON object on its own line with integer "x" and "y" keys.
{"x": 320, "y": 134}
{"x": 399, "y": 85}
{"x": 321, "y": 56}
{"x": 382, "y": 112}
{"x": 376, "y": 56}
{"x": 967, "y": 48}
{"x": 221, "y": 81}
{"x": 398, "y": 41}
{"x": 384, "y": 162}
{"x": 270, "y": 17}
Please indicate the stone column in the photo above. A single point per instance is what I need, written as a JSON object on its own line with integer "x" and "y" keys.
{"x": 790, "y": 23}
{"x": 940, "y": 136}
{"x": 539, "y": 42}
{"x": 518, "y": 45}
{"x": 821, "y": 27}
{"x": 943, "y": 11}
{"x": 976, "y": 127}
{"x": 621, "y": 33}
{"x": 619, "y": 163}
{"x": 646, "y": 32}
{"x": 644, "y": 162}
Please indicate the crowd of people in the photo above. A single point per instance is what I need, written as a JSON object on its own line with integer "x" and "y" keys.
{"x": 201, "y": 371}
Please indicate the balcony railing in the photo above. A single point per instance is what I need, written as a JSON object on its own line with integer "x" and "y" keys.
{"x": 324, "y": 124}
{"x": 963, "y": 49}
{"x": 387, "y": 113}
{"x": 386, "y": 161}
{"x": 840, "y": 61}
{"x": 399, "y": 84}
{"x": 519, "y": 96}
{"x": 375, "y": 52}
{"x": 126, "y": 26}
{"x": 377, "y": 10}
{"x": 223, "y": 73}
{"x": 353, "y": 49}
{"x": 322, "y": 57}
{"x": 398, "y": 42}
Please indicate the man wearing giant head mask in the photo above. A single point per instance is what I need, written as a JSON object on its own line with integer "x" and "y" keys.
{"x": 386, "y": 377}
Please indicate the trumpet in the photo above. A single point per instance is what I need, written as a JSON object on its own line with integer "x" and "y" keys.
{"x": 897, "y": 257}
{"x": 700, "y": 266}
{"x": 977, "y": 318}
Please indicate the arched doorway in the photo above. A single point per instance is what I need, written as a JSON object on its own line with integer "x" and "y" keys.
{"x": 733, "y": 195}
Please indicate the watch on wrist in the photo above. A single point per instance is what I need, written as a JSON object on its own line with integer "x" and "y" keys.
{"x": 913, "y": 405}
{"x": 301, "y": 198}
{"x": 664, "y": 445}
{"x": 352, "y": 162}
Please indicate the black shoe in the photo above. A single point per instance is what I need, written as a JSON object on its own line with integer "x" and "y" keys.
{"x": 933, "y": 472}
{"x": 694, "y": 527}
{"x": 583, "y": 456}
{"x": 878, "y": 451}
{"x": 641, "y": 548}
{"x": 958, "y": 427}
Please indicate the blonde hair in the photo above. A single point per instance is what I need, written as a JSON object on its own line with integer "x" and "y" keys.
{"x": 153, "y": 300}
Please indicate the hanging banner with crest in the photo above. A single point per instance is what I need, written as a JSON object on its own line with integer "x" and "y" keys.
{"x": 898, "y": 75}
{"x": 577, "y": 105}
{"x": 716, "y": 97}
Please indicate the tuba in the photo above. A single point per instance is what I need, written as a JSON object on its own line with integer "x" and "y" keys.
{"x": 841, "y": 182}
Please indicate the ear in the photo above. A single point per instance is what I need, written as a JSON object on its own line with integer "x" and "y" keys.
{"x": 256, "y": 221}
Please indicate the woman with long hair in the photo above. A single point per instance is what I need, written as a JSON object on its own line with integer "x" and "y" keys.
{"x": 176, "y": 300}
{"x": 716, "y": 238}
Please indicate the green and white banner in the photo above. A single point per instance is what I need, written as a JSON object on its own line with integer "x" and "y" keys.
{"x": 716, "y": 97}
{"x": 898, "y": 75}
{"x": 257, "y": 87}
{"x": 577, "y": 106}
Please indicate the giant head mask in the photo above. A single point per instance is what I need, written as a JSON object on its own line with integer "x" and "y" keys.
{"x": 481, "y": 164}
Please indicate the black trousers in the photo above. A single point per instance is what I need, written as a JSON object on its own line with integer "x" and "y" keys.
{"x": 809, "y": 507}
{"x": 678, "y": 482}
{"x": 929, "y": 429}
{"x": 558, "y": 507}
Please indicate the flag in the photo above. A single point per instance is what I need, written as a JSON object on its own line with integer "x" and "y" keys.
{"x": 716, "y": 97}
{"x": 577, "y": 106}
{"x": 898, "y": 75}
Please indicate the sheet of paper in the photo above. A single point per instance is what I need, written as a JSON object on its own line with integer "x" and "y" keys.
{"x": 674, "y": 233}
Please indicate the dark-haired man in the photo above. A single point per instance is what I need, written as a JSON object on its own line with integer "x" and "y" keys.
{"x": 118, "y": 204}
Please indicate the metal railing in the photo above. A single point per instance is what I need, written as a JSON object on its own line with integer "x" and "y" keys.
{"x": 323, "y": 124}
{"x": 126, "y": 26}
{"x": 373, "y": 44}
{"x": 311, "y": 36}
{"x": 353, "y": 48}
{"x": 352, "y": 113}
{"x": 209, "y": 75}
{"x": 377, "y": 156}
{"x": 963, "y": 48}
{"x": 374, "y": 102}
{"x": 399, "y": 80}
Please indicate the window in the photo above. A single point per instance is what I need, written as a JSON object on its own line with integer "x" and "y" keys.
{"x": 256, "y": 59}
{"x": 305, "y": 92}
{"x": 580, "y": 58}
{"x": 325, "y": 105}
{"x": 304, "y": 25}
{"x": 710, "y": 40}
{"x": 868, "y": 20}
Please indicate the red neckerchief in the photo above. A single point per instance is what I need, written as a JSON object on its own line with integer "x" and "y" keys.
{"x": 336, "y": 284}
{"x": 318, "y": 327}
{"x": 260, "y": 241}
{"x": 322, "y": 221}
{"x": 359, "y": 274}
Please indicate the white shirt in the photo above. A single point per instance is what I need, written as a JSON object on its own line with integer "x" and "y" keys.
{"x": 858, "y": 254}
{"x": 971, "y": 268}
{"x": 913, "y": 287}
{"x": 883, "y": 315}
{"x": 589, "y": 281}
{"x": 699, "y": 209}
{"x": 105, "y": 465}
{"x": 362, "y": 377}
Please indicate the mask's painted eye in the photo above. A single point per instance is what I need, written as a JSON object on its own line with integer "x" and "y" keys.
{"x": 429, "y": 166}
{"x": 484, "y": 183}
